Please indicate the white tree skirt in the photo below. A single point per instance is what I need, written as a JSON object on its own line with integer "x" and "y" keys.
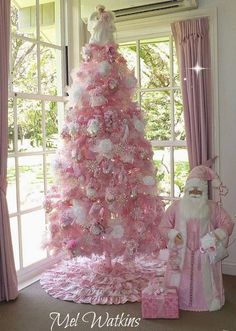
{"x": 88, "y": 280}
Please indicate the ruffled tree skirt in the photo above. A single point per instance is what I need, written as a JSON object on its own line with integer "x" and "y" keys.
{"x": 89, "y": 280}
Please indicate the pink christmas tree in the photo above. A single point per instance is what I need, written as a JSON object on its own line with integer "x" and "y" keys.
{"x": 105, "y": 198}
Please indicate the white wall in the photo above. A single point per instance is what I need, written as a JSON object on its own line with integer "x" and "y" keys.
{"x": 227, "y": 108}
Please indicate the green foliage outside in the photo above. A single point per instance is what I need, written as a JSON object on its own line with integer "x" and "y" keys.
{"x": 155, "y": 65}
{"x": 25, "y": 79}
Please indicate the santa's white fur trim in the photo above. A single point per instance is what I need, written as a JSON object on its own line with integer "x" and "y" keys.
{"x": 195, "y": 182}
{"x": 215, "y": 305}
{"x": 220, "y": 234}
{"x": 175, "y": 279}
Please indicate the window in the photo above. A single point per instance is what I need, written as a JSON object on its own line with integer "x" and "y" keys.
{"x": 159, "y": 95}
{"x": 35, "y": 107}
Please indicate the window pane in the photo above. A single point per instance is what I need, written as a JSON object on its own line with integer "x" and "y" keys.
{"x": 181, "y": 170}
{"x": 49, "y": 169}
{"x": 50, "y": 64}
{"x": 176, "y": 78}
{"x": 156, "y": 106}
{"x": 31, "y": 181}
{"x": 32, "y": 224}
{"x": 15, "y": 241}
{"x": 155, "y": 63}
{"x": 52, "y": 110}
{"x": 24, "y": 66}
{"x": 129, "y": 53}
{"x": 23, "y": 18}
{"x": 29, "y": 121}
{"x": 50, "y": 23}
{"x": 179, "y": 116}
{"x": 11, "y": 185}
{"x": 161, "y": 160}
{"x": 11, "y": 147}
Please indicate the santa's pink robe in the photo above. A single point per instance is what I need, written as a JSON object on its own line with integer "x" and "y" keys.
{"x": 199, "y": 283}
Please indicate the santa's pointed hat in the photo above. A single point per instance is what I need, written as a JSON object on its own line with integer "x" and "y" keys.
{"x": 199, "y": 176}
{"x": 202, "y": 173}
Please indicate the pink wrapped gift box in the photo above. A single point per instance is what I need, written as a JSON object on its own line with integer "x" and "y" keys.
{"x": 160, "y": 303}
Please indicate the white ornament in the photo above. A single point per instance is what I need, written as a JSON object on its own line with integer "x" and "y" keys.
{"x": 76, "y": 92}
{"x": 105, "y": 146}
{"x": 130, "y": 81}
{"x": 91, "y": 192}
{"x": 93, "y": 126}
{"x": 79, "y": 212}
{"x": 97, "y": 100}
{"x": 117, "y": 232}
{"x": 73, "y": 128}
{"x": 112, "y": 84}
{"x": 104, "y": 68}
{"x": 127, "y": 158}
{"x": 86, "y": 54}
{"x": 109, "y": 197}
{"x": 139, "y": 126}
{"x": 76, "y": 155}
{"x": 148, "y": 180}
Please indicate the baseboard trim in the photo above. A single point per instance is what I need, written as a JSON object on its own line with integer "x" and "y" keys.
{"x": 32, "y": 273}
{"x": 229, "y": 268}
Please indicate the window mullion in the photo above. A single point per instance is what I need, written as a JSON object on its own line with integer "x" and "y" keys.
{"x": 172, "y": 166}
{"x": 138, "y": 71}
{"x": 17, "y": 172}
{"x": 38, "y": 44}
{"x": 172, "y": 169}
{"x": 44, "y": 144}
{"x": 32, "y": 96}
{"x": 26, "y": 211}
{"x": 63, "y": 42}
{"x": 32, "y": 40}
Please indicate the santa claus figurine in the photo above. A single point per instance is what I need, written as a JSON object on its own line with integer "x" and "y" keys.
{"x": 197, "y": 230}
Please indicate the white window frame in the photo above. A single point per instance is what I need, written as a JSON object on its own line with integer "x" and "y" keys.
{"x": 28, "y": 273}
{"x": 162, "y": 143}
{"x": 159, "y": 26}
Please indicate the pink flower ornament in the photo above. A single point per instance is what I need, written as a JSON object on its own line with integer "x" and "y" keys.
{"x": 72, "y": 244}
{"x": 47, "y": 204}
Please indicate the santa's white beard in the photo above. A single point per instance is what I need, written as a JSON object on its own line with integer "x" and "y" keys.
{"x": 197, "y": 208}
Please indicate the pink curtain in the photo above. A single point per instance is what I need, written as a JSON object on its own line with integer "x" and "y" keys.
{"x": 8, "y": 278}
{"x": 193, "y": 48}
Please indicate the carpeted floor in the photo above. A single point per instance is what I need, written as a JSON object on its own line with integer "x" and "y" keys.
{"x": 30, "y": 312}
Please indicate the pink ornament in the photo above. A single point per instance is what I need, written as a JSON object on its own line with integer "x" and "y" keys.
{"x": 93, "y": 127}
{"x": 107, "y": 166}
{"x": 110, "y": 195}
{"x": 97, "y": 229}
{"x": 139, "y": 226}
{"x": 47, "y": 204}
{"x": 67, "y": 218}
{"x": 86, "y": 54}
{"x": 72, "y": 244}
{"x": 95, "y": 209}
{"x": 54, "y": 228}
{"x": 65, "y": 132}
{"x": 111, "y": 53}
{"x": 113, "y": 85}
